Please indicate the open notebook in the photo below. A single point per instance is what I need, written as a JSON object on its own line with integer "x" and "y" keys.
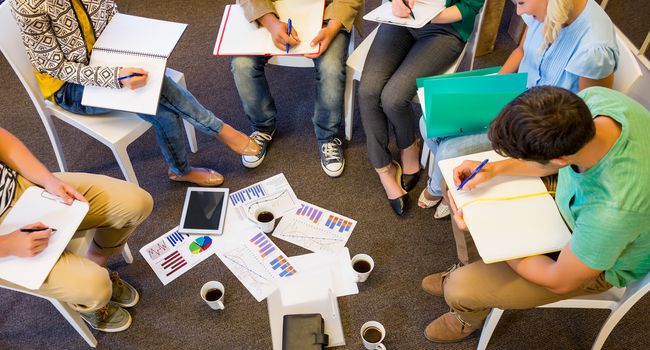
{"x": 508, "y": 229}
{"x": 131, "y": 41}
{"x": 423, "y": 11}
{"x": 237, "y": 36}
{"x": 37, "y": 205}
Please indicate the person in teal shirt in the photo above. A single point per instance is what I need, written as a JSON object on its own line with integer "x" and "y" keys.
{"x": 597, "y": 142}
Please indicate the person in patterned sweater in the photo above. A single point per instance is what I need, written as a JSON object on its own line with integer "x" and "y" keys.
{"x": 59, "y": 36}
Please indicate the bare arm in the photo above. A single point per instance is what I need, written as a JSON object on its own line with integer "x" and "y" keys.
{"x": 511, "y": 167}
{"x": 450, "y": 14}
{"x": 562, "y": 276}
{"x": 607, "y": 82}
{"x": 512, "y": 63}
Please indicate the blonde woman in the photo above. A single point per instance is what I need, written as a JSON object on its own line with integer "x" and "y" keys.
{"x": 567, "y": 43}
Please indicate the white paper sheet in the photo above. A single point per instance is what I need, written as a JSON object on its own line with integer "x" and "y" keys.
{"x": 315, "y": 228}
{"x": 256, "y": 262}
{"x": 423, "y": 10}
{"x": 339, "y": 266}
{"x": 508, "y": 229}
{"x": 37, "y": 205}
{"x": 175, "y": 253}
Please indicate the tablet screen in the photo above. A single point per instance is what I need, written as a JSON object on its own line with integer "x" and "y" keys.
{"x": 204, "y": 210}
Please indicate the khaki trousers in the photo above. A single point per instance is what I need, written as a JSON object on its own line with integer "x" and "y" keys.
{"x": 116, "y": 209}
{"x": 474, "y": 289}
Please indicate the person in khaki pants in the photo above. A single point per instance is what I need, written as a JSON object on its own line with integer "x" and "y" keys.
{"x": 597, "y": 143}
{"x": 116, "y": 209}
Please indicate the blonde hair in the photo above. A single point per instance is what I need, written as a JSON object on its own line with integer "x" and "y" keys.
{"x": 557, "y": 14}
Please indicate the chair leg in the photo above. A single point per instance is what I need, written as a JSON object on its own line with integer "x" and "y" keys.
{"x": 488, "y": 328}
{"x": 424, "y": 158}
{"x": 609, "y": 325}
{"x": 124, "y": 161}
{"x": 75, "y": 321}
{"x": 348, "y": 103}
{"x": 54, "y": 139}
{"x": 126, "y": 254}
{"x": 191, "y": 136}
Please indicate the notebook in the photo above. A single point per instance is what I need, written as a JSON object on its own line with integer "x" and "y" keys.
{"x": 237, "y": 36}
{"x": 35, "y": 205}
{"x": 466, "y": 102}
{"x": 131, "y": 41}
{"x": 423, "y": 11}
{"x": 508, "y": 229}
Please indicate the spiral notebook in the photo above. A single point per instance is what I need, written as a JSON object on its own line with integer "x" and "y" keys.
{"x": 35, "y": 204}
{"x": 132, "y": 41}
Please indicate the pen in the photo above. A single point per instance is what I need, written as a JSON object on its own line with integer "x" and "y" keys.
{"x": 288, "y": 33}
{"x": 130, "y": 76}
{"x": 478, "y": 168}
{"x": 37, "y": 229}
{"x": 406, "y": 2}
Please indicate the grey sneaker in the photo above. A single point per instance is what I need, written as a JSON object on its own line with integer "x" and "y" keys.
{"x": 110, "y": 318}
{"x": 262, "y": 139}
{"x": 331, "y": 157}
{"x": 124, "y": 294}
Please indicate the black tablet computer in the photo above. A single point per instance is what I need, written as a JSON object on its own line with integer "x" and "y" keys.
{"x": 204, "y": 211}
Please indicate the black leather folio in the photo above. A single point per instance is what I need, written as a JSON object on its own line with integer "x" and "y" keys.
{"x": 304, "y": 332}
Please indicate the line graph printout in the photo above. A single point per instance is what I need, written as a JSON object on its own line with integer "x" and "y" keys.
{"x": 175, "y": 253}
{"x": 256, "y": 262}
{"x": 274, "y": 194}
{"x": 315, "y": 228}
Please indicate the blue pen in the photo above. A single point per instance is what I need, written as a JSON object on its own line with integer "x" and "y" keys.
{"x": 288, "y": 33}
{"x": 478, "y": 168}
{"x": 130, "y": 76}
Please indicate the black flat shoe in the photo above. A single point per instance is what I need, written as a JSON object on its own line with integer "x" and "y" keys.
{"x": 409, "y": 181}
{"x": 399, "y": 204}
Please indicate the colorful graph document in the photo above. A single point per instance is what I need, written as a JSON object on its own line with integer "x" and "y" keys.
{"x": 274, "y": 194}
{"x": 175, "y": 253}
{"x": 315, "y": 228}
{"x": 256, "y": 262}
{"x": 508, "y": 217}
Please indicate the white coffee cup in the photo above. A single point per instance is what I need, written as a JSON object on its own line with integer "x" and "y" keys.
{"x": 212, "y": 293}
{"x": 362, "y": 265}
{"x": 372, "y": 334}
{"x": 265, "y": 219}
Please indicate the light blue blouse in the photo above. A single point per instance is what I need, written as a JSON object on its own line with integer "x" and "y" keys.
{"x": 585, "y": 48}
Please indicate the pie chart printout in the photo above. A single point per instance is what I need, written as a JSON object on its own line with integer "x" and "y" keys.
{"x": 200, "y": 244}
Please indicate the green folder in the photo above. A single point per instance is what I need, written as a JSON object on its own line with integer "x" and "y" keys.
{"x": 465, "y": 103}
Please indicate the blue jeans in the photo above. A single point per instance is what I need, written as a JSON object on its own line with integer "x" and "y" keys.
{"x": 253, "y": 88}
{"x": 451, "y": 147}
{"x": 398, "y": 56}
{"x": 176, "y": 103}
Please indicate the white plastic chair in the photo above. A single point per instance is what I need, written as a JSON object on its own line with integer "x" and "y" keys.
{"x": 618, "y": 300}
{"x": 77, "y": 245}
{"x": 117, "y": 130}
{"x": 628, "y": 71}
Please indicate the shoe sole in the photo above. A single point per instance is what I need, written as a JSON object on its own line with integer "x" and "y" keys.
{"x": 447, "y": 341}
{"x": 333, "y": 173}
{"x": 252, "y": 165}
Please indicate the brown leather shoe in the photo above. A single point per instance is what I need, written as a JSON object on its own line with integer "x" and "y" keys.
{"x": 199, "y": 176}
{"x": 449, "y": 328}
{"x": 237, "y": 141}
{"x": 434, "y": 283}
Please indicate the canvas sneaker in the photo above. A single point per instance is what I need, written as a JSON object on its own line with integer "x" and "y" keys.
{"x": 124, "y": 294}
{"x": 331, "y": 157}
{"x": 263, "y": 140}
{"x": 110, "y": 318}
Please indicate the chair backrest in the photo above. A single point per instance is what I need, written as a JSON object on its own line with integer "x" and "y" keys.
{"x": 472, "y": 41}
{"x": 628, "y": 70}
{"x": 12, "y": 47}
{"x": 637, "y": 289}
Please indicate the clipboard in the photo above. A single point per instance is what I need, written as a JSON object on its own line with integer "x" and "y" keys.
{"x": 35, "y": 204}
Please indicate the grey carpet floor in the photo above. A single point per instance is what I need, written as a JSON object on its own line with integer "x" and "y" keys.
{"x": 174, "y": 316}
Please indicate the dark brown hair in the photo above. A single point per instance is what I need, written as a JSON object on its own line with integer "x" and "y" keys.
{"x": 541, "y": 124}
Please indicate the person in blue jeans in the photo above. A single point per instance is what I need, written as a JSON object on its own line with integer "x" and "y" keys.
{"x": 60, "y": 58}
{"x": 398, "y": 55}
{"x": 567, "y": 43}
{"x": 253, "y": 88}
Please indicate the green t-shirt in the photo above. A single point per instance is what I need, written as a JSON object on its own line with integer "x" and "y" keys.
{"x": 608, "y": 206}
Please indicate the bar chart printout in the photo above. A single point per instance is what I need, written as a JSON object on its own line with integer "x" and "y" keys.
{"x": 315, "y": 228}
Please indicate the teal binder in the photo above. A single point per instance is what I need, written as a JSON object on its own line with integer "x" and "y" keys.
{"x": 466, "y": 102}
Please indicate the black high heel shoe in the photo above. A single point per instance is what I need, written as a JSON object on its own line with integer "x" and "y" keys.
{"x": 399, "y": 204}
{"x": 409, "y": 181}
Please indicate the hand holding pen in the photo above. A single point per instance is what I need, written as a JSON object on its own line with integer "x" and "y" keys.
{"x": 284, "y": 35}
{"x": 403, "y": 8}
{"x": 28, "y": 241}
{"x": 468, "y": 174}
{"x": 133, "y": 78}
